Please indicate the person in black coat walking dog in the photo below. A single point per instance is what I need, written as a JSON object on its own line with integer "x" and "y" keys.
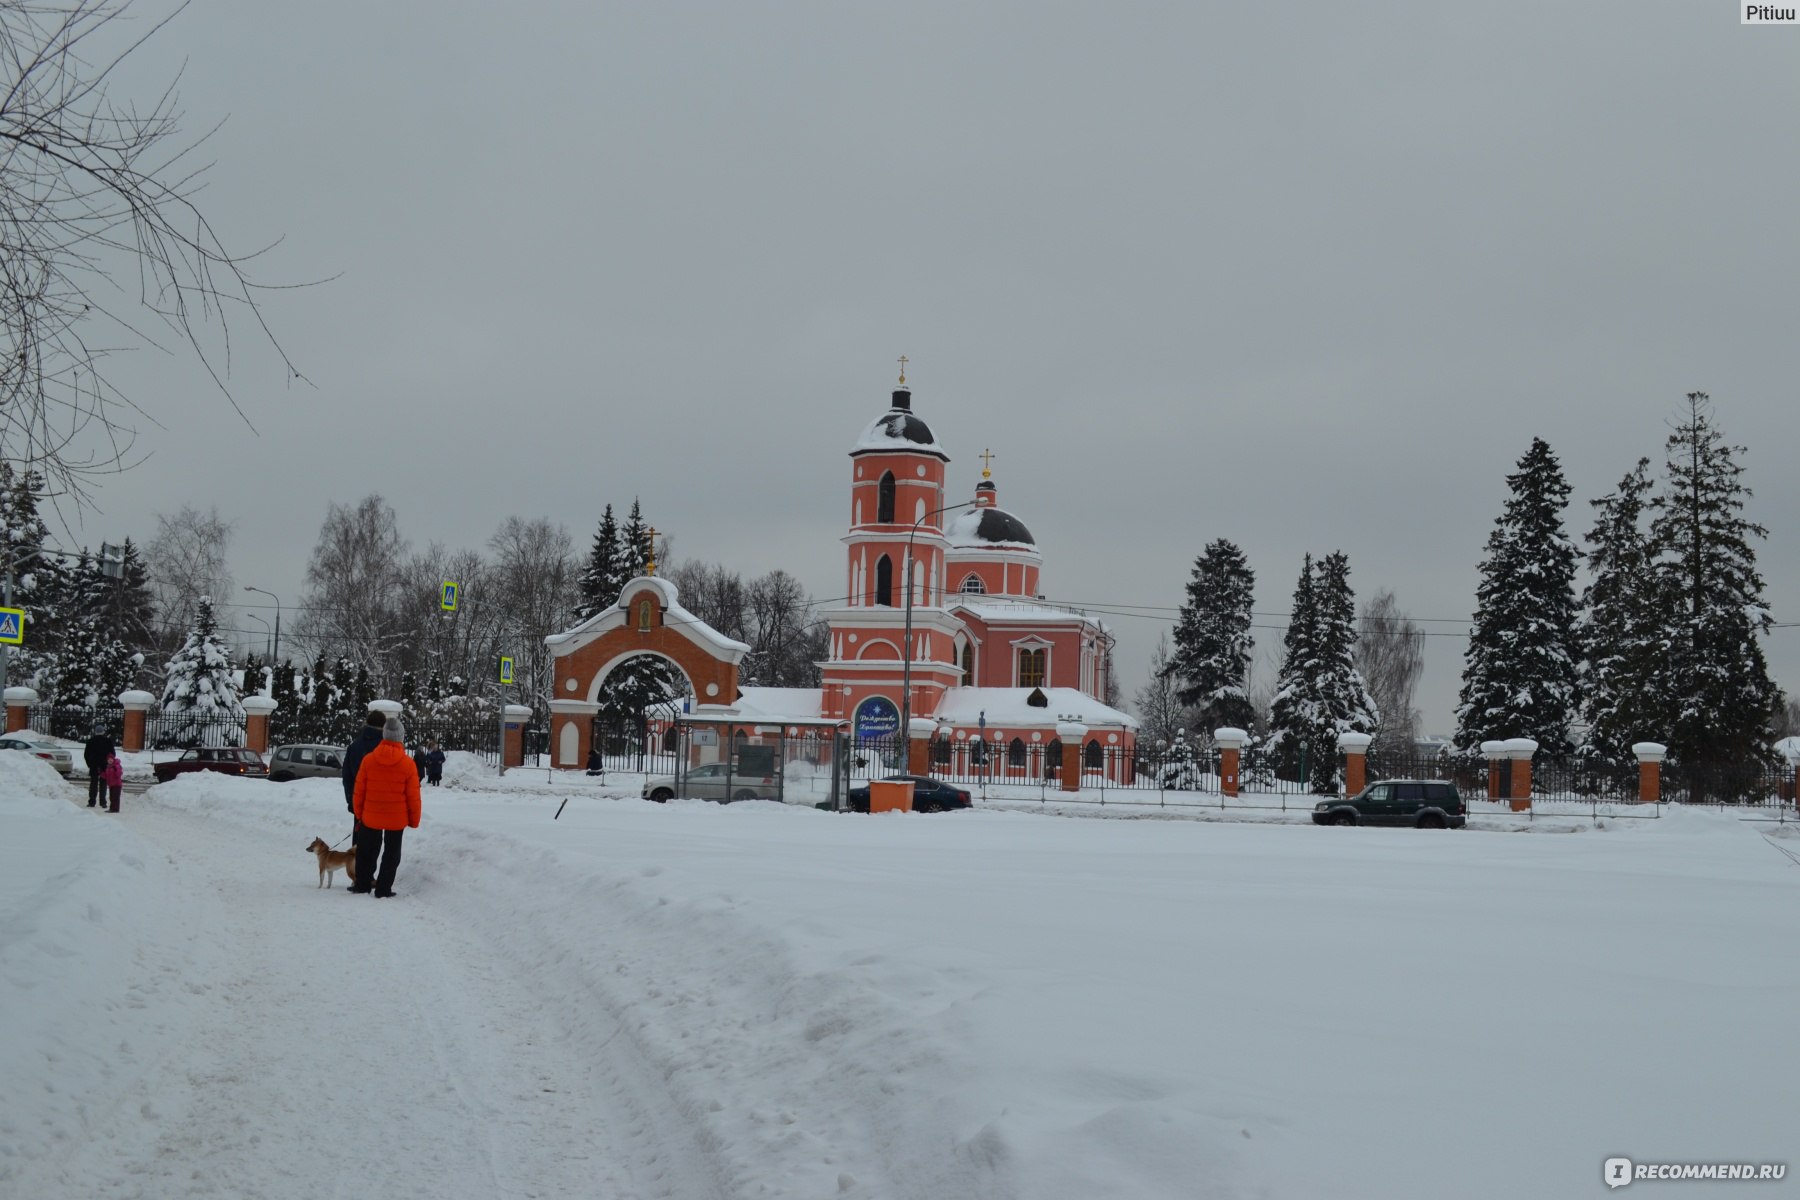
{"x": 95, "y": 754}
{"x": 366, "y": 739}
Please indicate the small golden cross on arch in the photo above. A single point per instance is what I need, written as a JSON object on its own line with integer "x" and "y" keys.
{"x": 650, "y": 550}
{"x": 987, "y": 458}
{"x": 903, "y": 368}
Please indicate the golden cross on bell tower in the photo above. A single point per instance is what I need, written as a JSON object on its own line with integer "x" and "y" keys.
{"x": 987, "y": 458}
{"x": 903, "y": 368}
{"x": 650, "y": 550}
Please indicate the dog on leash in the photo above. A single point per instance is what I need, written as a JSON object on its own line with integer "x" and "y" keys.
{"x": 330, "y": 860}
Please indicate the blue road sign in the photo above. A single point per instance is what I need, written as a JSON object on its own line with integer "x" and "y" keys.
{"x": 451, "y": 591}
{"x": 506, "y": 668}
{"x": 12, "y": 626}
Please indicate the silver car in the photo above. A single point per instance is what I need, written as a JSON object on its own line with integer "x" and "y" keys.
{"x": 713, "y": 781}
{"x": 52, "y": 753}
{"x": 306, "y": 762}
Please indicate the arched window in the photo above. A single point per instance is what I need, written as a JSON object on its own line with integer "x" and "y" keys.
{"x": 1031, "y": 667}
{"x": 1053, "y": 759}
{"x": 968, "y": 664}
{"x": 972, "y": 585}
{"x": 940, "y": 752}
{"x": 1094, "y": 757}
{"x": 1015, "y": 753}
{"x": 884, "y": 581}
{"x": 672, "y": 739}
{"x": 884, "y": 506}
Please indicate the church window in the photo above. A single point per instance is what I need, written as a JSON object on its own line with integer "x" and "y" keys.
{"x": 1094, "y": 757}
{"x": 884, "y": 582}
{"x": 1053, "y": 759}
{"x": 940, "y": 752}
{"x": 1031, "y": 667}
{"x": 884, "y": 506}
{"x": 1015, "y": 753}
{"x": 972, "y": 585}
{"x": 968, "y": 664}
{"x": 671, "y": 739}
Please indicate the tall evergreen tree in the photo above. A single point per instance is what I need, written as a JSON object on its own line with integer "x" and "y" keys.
{"x": 35, "y": 576}
{"x": 199, "y": 691}
{"x": 604, "y": 574}
{"x": 1319, "y": 693}
{"x": 1724, "y": 700}
{"x": 1625, "y": 633}
{"x": 1343, "y": 689}
{"x": 636, "y": 684}
{"x": 1295, "y": 717}
{"x": 1213, "y": 644}
{"x": 1519, "y": 674}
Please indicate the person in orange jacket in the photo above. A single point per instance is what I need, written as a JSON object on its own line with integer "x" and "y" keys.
{"x": 386, "y": 804}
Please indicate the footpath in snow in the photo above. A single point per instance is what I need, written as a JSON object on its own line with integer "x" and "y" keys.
{"x": 698, "y": 1001}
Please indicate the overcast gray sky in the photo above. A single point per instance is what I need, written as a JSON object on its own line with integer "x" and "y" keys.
{"x": 1307, "y": 276}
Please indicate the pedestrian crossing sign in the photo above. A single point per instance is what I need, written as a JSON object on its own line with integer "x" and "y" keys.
{"x": 12, "y": 626}
{"x": 506, "y": 664}
{"x": 448, "y": 602}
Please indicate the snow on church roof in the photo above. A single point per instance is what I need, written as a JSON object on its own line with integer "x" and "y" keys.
{"x": 899, "y": 429}
{"x": 1006, "y": 708}
{"x": 983, "y": 527}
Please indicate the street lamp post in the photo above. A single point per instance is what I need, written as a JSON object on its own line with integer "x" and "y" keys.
{"x": 907, "y": 577}
{"x": 265, "y": 626}
{"x": 275, "y": 654}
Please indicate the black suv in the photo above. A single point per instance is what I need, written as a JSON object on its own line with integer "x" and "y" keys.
{"x": 1425, "y": 803}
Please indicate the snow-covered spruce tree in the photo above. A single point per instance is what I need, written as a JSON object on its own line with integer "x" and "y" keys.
{"x": 93, "y": 664}
{"x": 1342, "y": 687}
{"x": 1519, "y": 673}
{"x": 643, "y": 681}
{"x": 1319, "y": 693}
{"x": 1180, "y": 765}
{"x": 604, "y": 575}
{"x": 37, "y": 583}
{"x": 1724, "y": 701}
{"x": 200, "y": 697}
{"x": 1211, "y": 661}
{"x": 1295, "y": 716}
{"x": 1625, "y": 634}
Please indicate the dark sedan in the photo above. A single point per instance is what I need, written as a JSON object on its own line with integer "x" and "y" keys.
{"x": 929, "y": 795}
{"x": 227, "y": 760}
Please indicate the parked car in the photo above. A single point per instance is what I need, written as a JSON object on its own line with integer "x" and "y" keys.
{"x": 712, "y": 781}
{"x": 929, "y": 795}
{"x": 306, "y": 762}
{"x": 227, "y": 760}
{"x": 1425, "y": 803}
{"x": 56, "y": 755}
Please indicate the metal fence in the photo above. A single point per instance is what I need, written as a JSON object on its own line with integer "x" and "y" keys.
{"x": 77, "y": 722}
{"x": 186, "y": 730}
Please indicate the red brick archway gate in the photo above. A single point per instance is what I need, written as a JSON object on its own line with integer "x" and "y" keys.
{"x": 647, "y": 619}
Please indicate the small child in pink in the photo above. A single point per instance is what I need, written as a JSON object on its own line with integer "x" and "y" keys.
{"x": 114, "y": 778}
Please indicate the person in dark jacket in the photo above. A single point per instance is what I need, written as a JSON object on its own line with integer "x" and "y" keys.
{"x": 434, "y": 765}
{"x": 366, "y": 739}
{"x": 386, "y": 804}
{"x": 596, "y": 765}
{"x": 99, "y": 748}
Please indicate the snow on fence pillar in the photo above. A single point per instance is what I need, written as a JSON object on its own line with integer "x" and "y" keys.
{"x": 1520, "y": 751}
{"x": 512, "y": 746}
{"x": 137, "y": 712}
{"x": 1070, "y": 732}
{"x": 1790, "y": 749}
{"x": 1231, "y": 741}
{"x": 1495, "y": 753}
{"x": 1355, "y": 749}
{"x": 919, "y": 732}
{"x": 1650, "y": 757}
{"x": 18, "y": 708}
{"x": 256, "y": 722}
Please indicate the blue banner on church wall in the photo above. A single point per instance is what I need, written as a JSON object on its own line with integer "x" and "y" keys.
{"x": 877, "y": 717}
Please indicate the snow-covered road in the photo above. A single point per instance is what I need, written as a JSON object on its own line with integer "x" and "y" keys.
{"x": 698, "y": 1002}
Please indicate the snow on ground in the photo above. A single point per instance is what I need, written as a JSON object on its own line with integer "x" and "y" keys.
{"x": 699, "y": 1001}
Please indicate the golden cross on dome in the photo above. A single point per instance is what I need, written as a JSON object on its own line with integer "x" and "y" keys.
{"x": 987, "y": 458}
{"x": 650, "y": 550}
{"x": 903, "y": 368}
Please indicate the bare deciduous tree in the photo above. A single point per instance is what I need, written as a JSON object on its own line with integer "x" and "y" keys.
{"x": 1159, "y": 705}
{"x": 356, "y": 583}
{"x": 103, "y": 240}
{"x": 1390, "y": 653}
{"x": 533, "y": 576}
{"x": 187, "y": 559}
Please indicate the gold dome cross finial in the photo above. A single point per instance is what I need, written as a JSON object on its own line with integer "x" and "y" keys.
{"x": 987, "y": 458}
{"x": 903, "y": 368}
{"x": 650, "y": 550}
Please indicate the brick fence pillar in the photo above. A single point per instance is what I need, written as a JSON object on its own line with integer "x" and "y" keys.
{"x": 571, "y": 732}
{"x": 1231, "y": 741}
{"x": 1650, "y": 756}
{"x": 919, "y": 732}
{"x": 137, "y": 706}
{"x": 256, "y": 722}
{"x": 1071, "y": 732}
{"x": 1520, "y": 750}
{"x": 1355, "y": 748}
{"x": 1495, "y": 753}
{"x": 512, "y": 744}
{"x": 19, "y": 701}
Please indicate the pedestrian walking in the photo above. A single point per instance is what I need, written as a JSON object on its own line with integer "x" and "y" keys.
{"x": 434, "y": 764}
{"x": 386, "y": 804}
{"x": 114, "y": 774}
{"x": 367, "y": 738}
{"x": 595, "y": 764}
{"x": 99, "y": 748}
